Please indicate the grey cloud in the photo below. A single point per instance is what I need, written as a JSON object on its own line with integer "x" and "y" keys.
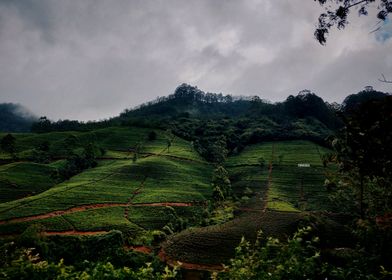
{"x": 92, "y": 59}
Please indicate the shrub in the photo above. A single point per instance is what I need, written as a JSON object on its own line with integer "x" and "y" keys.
{"x": 299, "y": 258}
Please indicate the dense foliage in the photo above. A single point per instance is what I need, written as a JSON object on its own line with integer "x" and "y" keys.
{"x": 298, "y": 258}
{"x": 219, "y": 125}
{"x": 337, "y": 12}
{"x": 365, "y": 157}
{"x": 25, "y": 264}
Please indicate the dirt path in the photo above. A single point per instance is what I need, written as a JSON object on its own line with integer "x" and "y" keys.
{"x": 265, "y": 198}
{"x": 66, "y": 189}
{"x": 141, "y": 249}
{"x": 157, "y": 204}
{"x": 93, "y": 206}
{"x": 134, "y": 194}
{"x": 62, "y": 212}
{"x": 249, "y": 209}
{"x": 65, "y": 232}
{"x": 73, "y": 232}
{"x": 189, "y": 266}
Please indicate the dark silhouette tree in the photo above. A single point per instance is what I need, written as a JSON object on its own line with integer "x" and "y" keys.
{"x": 42, "y": 125}
{"x": 354, "y": 101}
{"x": 308, "y": 104}
{"x": 364, "y": 150}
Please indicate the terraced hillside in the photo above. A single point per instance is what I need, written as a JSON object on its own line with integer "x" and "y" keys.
{"x": 277, "y": 192}
{"x": 296, "y": 180}
{"x": 118, "y": 142}
{"x": 144, "y": 183}
{"x": 21, "y": 179}
{"x": 120, "y": 193}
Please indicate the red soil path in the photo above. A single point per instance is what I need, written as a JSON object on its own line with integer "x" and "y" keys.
{"x": 140, "y": 249}
{"x": 93, "y": 206}
{"x": 157, "y": 204}
{"x": 66, "y": 232}
{"x": 265, "y": 198}
{"x": 189, "y": 266}
{"x": 73, "y": 232}
{"x": 62, "y": 212}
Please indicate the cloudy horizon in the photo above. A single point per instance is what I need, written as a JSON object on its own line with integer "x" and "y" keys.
{"x": 90, "y": 60}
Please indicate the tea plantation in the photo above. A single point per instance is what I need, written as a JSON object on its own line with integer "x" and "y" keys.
{"x": 275, "y": 193}
{"x": 121, "y": 192}
{"x": 143, "y": 183}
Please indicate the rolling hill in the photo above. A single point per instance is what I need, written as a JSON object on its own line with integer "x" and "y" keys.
{"x": 146, "y": 182}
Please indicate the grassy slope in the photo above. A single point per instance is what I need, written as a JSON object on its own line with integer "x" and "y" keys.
{"x": 285, "y": 189}
{"x": 22, "y": 179}
{"x": 176, "y": 175}
{"x": 246, "y": 172}
{"x": 159, "y": 175}
{"x": 216, "y": 244}
{"x": 116, "y": 140}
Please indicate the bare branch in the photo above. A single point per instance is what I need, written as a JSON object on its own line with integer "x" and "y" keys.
{"x": 360, "y": 2}
{"x": 377, "y": 27}
{"x": 375, "y": 30}
{"x": 384, "y": 80}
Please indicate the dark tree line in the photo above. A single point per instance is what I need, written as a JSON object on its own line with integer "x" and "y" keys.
{"x": 45, "y": 125}
{"x": 220, "y": 125}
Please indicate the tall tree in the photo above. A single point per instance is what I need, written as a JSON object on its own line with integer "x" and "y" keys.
{"x": 364, "y": 149}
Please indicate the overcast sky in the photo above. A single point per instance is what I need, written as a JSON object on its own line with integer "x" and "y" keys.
{"x": 91, "y": 59}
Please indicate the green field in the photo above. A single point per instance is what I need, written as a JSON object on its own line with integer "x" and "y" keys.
{"x": 117, "y": 141}
{"x": 131, "y": 196}
{"x": 291, "y": 188}
{"x": 296, "y": 188}
{"x": 275, "y": 201}
{"x": 160, "y": 174}
{"x": 21, "y": 179}
{"x": 248, "y": 177}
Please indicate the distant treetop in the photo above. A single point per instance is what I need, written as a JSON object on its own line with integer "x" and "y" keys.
{"x": 352, "y": 101}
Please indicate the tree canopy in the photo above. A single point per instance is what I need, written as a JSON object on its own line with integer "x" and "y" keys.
{"x": 337, "y": 11}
